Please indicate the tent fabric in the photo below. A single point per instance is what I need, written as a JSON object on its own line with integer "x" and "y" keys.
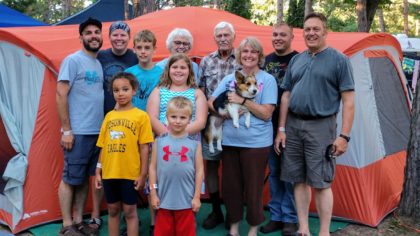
{"x": 103, "y": 10}
{"x": 12, "y": 18}
{"x": 369, "y": 176}
{"x": 18, "y": 116}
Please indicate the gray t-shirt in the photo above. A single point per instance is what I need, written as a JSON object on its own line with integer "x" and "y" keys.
{"x": 86, "y": 94}
{"x": 316, "y": 82}
{"x": 176, "y": 171}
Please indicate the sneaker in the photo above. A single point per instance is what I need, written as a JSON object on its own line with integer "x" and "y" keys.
{"x": 213, "y": 219}
{"x": 289, "y": 229}
{"x": 271, "y": 227}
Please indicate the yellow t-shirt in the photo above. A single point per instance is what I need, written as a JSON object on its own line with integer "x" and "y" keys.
{"x": 120, "y": 136}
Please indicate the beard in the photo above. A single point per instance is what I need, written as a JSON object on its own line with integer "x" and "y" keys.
{"x": 92, "y": 49}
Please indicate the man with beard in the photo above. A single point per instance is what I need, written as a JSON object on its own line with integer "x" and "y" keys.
{"x": 80, "y": 99}
{"x": 316, "y": 83}
{"x": 282, "y": 208}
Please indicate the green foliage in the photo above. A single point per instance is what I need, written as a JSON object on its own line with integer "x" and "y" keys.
{"x": 238, "y": 7}
{"x": 48, "y": 11}
{"x": 296, "y": 13}
{"x": 264, "y": 12}
{"x": 341, "y": 14}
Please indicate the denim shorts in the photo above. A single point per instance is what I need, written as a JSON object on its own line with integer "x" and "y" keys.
{"x": 80, "y": 161}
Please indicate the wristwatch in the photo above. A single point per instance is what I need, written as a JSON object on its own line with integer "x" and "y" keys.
{"x": 282, "y": 129}
{"x": 347, "y": 138}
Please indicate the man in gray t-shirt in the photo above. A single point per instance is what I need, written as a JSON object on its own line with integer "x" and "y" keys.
{"x": 80, "y": 99}
{"x": 316, "y": 81}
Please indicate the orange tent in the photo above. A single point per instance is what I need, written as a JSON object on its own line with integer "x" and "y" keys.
{"x": 368, "y": 183}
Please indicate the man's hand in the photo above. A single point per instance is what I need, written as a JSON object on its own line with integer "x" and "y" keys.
{"x": 67, "y": 141}
{"x": 340, "y": 145}
{"x": 280, "y": 142}
{"x": 98, "y": 181}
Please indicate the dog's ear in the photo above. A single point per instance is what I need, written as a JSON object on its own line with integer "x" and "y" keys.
{"x": 240, "y": 78}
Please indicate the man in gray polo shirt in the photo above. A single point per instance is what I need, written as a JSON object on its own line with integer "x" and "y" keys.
{"x": 315, "y": 83}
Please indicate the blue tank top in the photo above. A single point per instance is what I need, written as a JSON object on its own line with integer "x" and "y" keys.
{"x": 166, "y": 95}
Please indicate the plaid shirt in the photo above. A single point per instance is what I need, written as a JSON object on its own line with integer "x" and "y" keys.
{"x": 213, "y": 69}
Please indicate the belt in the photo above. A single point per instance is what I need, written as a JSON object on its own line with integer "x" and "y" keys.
{"x": 308, "y": 117}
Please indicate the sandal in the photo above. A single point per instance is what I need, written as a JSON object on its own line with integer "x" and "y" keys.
{"x": 86, "y": 229}
{"x": 70, "y": 230}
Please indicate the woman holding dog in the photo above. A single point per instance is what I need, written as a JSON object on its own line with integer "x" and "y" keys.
{"x": 245, "y": 150}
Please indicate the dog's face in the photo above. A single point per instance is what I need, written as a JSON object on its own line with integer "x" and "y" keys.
{"x": 246, "y": 86}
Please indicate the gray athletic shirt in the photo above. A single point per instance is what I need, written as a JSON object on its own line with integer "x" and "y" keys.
{"x": 176, "y": 171}
{"x": 316, "y": 82}
{"x": 86, "y": 94}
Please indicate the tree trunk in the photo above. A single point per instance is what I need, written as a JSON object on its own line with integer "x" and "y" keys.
{"x": 381, "y": 20}
{"x": 308, "y": 7}
{"x": 136, "y": 8}
{"x": 146, "y": 6}
{"x": 280, "y": 9}
{"x": 126, "y": 10}
{"x": 410, "y": 200}
{"x": 405, "y": 16}
{"x": 365, "y": 14}
{"x": 67, "y": 8}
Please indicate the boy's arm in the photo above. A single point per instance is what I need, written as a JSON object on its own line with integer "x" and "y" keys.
{"x": 144, "y": 159}
{"x": 153, "y": 179}
{"x": 199, "y": 173}
{"x": 98, "y": 172}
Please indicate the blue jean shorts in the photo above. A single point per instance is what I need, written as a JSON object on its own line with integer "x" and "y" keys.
{"x": 80, "y": 161}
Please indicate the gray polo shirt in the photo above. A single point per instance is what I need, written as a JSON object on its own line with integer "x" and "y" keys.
{"x": 316, "y": 81}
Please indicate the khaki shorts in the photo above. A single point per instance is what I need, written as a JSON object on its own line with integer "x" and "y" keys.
{"x": 305, "y": 158}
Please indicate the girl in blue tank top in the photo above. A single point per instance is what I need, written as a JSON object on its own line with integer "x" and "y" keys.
{"x": 177, "y": 80}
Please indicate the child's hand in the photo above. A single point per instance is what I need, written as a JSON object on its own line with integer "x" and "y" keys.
{"x": 139, "y": 183}
{"x": 155, "y": 201}
{"x": 196, "y": 204}
{"x": 98, "y": 181}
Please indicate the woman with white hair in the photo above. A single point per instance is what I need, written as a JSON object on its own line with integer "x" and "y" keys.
{"x": 179, "y": 41}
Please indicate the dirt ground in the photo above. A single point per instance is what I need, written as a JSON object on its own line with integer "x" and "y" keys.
{"x": 391, "y": 226}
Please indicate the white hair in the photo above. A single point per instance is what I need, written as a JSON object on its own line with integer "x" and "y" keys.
{"x": 178, "y": 32}
{"x": 222, "y": 25}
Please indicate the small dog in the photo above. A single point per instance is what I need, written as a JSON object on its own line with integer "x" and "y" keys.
{"x": 244, "y": 86}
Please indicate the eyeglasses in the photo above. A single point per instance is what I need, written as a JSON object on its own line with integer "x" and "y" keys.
{"x": 179, "y": 43}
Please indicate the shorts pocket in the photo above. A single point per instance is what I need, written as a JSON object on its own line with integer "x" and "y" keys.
{"x": 77, "y": 172}
{"x": 329, "y": 170}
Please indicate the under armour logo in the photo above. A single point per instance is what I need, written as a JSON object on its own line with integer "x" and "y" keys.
{"x": 181, "y": 154}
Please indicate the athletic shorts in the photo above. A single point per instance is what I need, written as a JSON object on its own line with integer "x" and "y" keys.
{"x": 80, "y": 161}
{"x": 305, "y": 159}
{"x": 120, "y": 190}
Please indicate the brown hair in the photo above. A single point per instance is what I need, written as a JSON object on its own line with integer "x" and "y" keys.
{"x": 165, "y": 79}
{"x": 145, "y": 36}
{"x": 317, "y": 15}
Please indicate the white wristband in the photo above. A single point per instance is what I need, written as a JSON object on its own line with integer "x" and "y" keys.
{"x": 66, "y": 132}
{"x": 282, "y": 129}
{"x": 99, "y": 165}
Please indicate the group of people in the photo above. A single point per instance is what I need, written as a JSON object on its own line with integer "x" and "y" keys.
{"x": 136, "y": 125}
